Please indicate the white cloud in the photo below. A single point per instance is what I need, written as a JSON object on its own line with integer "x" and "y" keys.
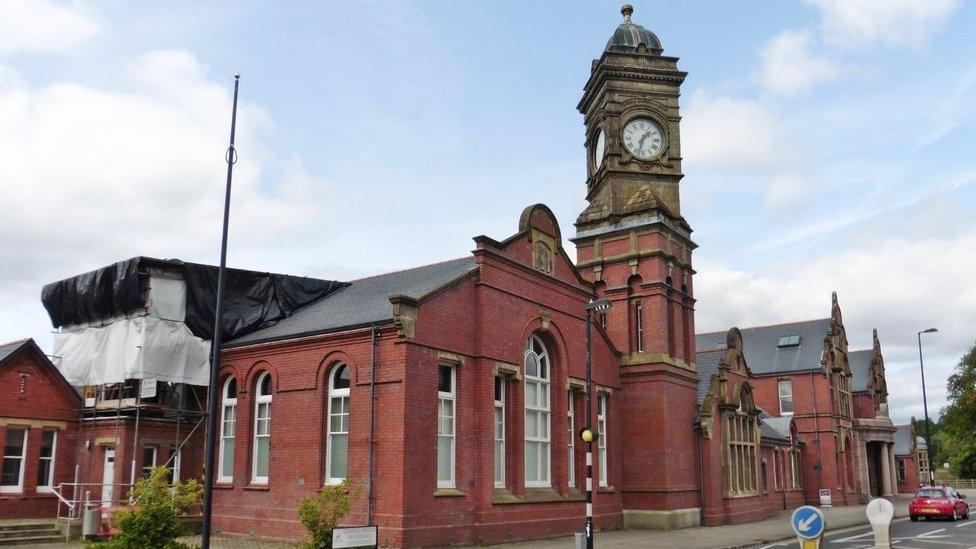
{"x": 899, "y": 285}
{"x": 786, "y": 196}
{"x": 899, "y": 23}
{"x": 727, "y": 132}
{"x": 41, "y": 26}
{"x": 93, "y": 176}
{"x": 790, "y": 66}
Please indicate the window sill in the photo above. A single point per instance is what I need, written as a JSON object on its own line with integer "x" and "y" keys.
{"x": 605, "y": 489}
{"x": 535, "y": 495}
{"x": 448, "y": 493}
{"x": 742, "y": 496}
{"x": 223, "y": 485}
{"x": 258, "y": 487}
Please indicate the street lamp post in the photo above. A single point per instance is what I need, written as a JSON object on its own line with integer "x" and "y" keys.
{"x": 925, "y": 403}
{"x": 587, "y": 434}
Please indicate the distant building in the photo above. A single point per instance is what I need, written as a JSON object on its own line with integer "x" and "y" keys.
{"x": 39, "y": 414}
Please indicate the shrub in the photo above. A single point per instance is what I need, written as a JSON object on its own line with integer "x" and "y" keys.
{"x": 154, "y": 521}
{"x": 320, "y": 514}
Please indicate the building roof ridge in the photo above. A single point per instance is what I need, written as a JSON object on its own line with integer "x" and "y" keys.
{"x": 778, "y": 324}
{"x": 408, "y": 269}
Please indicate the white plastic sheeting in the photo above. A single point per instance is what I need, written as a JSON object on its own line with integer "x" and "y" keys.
{"x": 133, "y": 348}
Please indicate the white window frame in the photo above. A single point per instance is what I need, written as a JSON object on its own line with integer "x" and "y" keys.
{"x": 177, "y": 455}
{"x": 601, "y": 422}
{"x": 783, "y": 397}
{"x": 639, "y": 324}
{"x": 542, "y": 413}
{"x": 442, "y": 397}
{"x": 22, "y": 458}
{"x": 50, "y": 461}
{"x": 147, "y": 468}
{"x": 258, "y": 400}
{"x": 228, "y": 414}
{"x": 499, "y": 432}
{"x": 342, "y": 394}
{"x": 571, "y": 444}
{"x": 794, "y": 470}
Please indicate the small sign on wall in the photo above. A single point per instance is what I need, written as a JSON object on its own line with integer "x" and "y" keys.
{"x": 359, "y": 536}
{"x": 825, "y": 498}
{"x": 147, "y": 388}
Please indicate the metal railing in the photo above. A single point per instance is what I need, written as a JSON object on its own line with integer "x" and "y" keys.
{"x": 88, "y": 495}
{"x": 958, "y": 483}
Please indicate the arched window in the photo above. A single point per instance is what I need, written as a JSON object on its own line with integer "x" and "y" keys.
{"x": 537, "y": 415}
{"x": 228, "y": 428}
{"x": 262, "y": 429}
{"x": 337, "y": 443}
{"x": 741, "y": 436}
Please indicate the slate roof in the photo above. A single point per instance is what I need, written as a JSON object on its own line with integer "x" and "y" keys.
{"x": 903, "y": 440}
{"x": 759, "y": 345}
{"x": 860, "y": 363}
{"x": 707, "y": 362}
{"x": 776, "y": 427}
{"x": 362, "y": 302}
{"x": 8, "y": 349}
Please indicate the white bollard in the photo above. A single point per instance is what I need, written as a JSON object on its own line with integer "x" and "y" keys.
{"x": 880, "y": 512}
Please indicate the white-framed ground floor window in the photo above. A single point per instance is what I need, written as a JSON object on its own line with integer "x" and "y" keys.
{"x": 14, "y": 454}
{"x": 571, "y": 440}
{"x": 45, "y": 466}
{"x": 601, "y": 421}
{"x": 499, "y": 432}
{"x": 537, "y": 414}
{"x": 446, "y": 409}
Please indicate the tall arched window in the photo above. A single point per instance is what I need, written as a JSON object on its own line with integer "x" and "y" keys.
{"x": 537, "y": 420}
{"x": 337, "y": 445}
{"x": 262, "y": 429}
{"x": 741, "y": 444}
{"x": 228, "y": 428}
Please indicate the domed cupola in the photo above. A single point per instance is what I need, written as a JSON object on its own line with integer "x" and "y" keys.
{"x": 631, "y": 37}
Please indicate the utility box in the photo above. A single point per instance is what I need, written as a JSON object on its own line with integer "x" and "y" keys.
{"x": 580, "y": 539}
{"x": 91, "y": 523}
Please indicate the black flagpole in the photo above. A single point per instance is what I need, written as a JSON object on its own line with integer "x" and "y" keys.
{"x": 208, "y": 480}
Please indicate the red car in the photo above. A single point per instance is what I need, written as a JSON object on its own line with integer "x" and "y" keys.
{"x": 938, "y": 501}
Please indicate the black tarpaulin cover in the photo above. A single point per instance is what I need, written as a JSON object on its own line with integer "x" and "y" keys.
{"x": 253, "y": 300}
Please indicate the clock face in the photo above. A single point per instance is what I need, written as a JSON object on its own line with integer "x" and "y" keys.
{"x": 643, "y": 138}
{"x": 600, "y": 149}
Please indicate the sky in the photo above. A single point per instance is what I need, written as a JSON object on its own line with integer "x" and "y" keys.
{"x": 827, "y": 145}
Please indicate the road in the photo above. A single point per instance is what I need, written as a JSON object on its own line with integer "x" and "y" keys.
{"x": 925, "y": 534}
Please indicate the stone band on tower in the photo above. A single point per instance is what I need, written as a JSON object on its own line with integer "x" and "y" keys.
{"x": 634, "y": 245}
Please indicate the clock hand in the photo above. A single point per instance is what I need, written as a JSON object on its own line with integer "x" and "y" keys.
{"x": 640, "y": 144}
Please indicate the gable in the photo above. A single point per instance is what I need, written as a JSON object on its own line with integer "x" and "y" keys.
{"x": 32, "y": 387}
{"x": 538, "y": 246}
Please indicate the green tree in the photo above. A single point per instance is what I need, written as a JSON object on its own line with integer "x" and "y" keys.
{"x": 154, "y": 519}
{"x": 321, "y": 513}
{"x": 959, "y": 417}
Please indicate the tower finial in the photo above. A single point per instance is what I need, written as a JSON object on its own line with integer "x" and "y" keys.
{"x": 627, "y": 10}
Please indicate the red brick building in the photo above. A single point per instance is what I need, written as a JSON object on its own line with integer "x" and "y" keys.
{"x": 751, "y": 462}
{"x": 906, "y": 451}
{"x": 38, "y": 426}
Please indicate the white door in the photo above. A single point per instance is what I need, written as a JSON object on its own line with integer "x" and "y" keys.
{"x": 108, "y": 477}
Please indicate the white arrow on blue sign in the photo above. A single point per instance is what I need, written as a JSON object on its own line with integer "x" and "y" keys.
{"x": 808, "y": 522}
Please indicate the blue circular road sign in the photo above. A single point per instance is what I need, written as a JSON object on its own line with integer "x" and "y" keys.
{"x": 808, "y": 522}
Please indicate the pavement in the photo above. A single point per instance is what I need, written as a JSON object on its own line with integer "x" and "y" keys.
{"x": 750, "y": 535}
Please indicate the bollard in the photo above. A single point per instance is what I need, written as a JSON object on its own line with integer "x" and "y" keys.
{"x": 880, "y": 512}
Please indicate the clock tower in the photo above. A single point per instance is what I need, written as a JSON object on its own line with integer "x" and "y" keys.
{"x": 633, "y": 243}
